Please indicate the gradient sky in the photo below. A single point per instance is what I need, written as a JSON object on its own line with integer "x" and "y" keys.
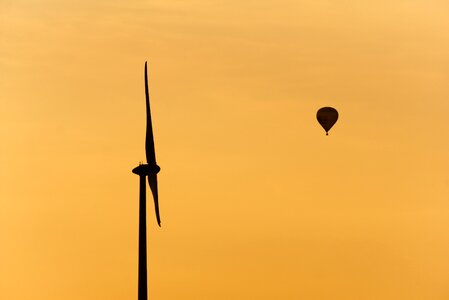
{"x": 256, "y": 202}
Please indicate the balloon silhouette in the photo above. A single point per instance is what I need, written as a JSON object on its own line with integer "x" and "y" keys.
{"x": 327, "y": 116}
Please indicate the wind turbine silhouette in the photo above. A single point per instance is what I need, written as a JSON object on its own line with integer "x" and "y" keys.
{"x": 150, "y": 170}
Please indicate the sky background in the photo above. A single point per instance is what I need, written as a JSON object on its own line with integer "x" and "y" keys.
{"x": 256, "y": 202}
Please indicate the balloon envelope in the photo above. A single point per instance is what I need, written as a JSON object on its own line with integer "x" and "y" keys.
{"x": 327, "y": 116}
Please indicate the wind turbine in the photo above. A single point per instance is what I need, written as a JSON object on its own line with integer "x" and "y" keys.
{"x": 150, "y": 170}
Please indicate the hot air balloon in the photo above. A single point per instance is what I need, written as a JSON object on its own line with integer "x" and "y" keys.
{"x": 327, "y": 116}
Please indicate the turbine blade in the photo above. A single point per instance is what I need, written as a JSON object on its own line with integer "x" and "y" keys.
{"x": 152, "y": 181}
{"x": 149, "y": 140}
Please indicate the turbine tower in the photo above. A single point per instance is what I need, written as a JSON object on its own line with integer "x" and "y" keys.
{"x": 150, "y": 170}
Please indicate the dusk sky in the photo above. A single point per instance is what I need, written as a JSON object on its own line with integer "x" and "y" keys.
{"x": 256, "y": 201}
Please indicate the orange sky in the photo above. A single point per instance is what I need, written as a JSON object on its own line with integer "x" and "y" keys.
{"x": 256, "y": 202}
